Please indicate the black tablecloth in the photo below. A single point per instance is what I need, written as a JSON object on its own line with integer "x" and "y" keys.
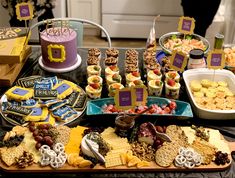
{"x": 79, "y": 76}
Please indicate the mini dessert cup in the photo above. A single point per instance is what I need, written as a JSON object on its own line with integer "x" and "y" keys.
{"x": 131, "y": 68}
{"x": 172, "y": 75}
{"x": 136, "y": 83}
{"x": 172, "y": 89}
{"x": 131, "y": 53}
{"x": 110, "y": 70}
{"x": 115, "y": 78}
{"x": 155, "y": 87}
{"x": 112, "y": 52}
{"x": 94, "y": 52}
{"x": 93, "y": 60}
{"x": 94, "y": 79}
{"x": 153, "y": 66}
{"x": 94, "y": 90}
{"x": 154, "y": 75}
{"x": 131, "y": 60}
{"x": 111, "y": 61}
{"x": 113, "y": 88}
{"x": 93, "y": 70}
{"x": 132, "y": 77}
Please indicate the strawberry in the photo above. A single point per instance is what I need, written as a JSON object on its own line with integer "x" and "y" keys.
{"x": 167, "y": 110}
{"x": 136, "y": 74}
{"x": 113, "y": 68}
{"x": 172, "y": 105}
{"x": 171, "y": 82}
{"x": 157, "y": 72}
{"x": 95, "y": 85}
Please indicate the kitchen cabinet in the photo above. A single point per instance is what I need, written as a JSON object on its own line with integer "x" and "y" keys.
{"x": 134, "y": 18}
{"x": 85, "y": 9}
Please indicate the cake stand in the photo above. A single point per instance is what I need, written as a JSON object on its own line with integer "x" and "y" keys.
{"x": 60, "y": 70}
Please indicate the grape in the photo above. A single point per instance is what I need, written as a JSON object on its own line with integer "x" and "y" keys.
{"x": 39, "y": 138}
{"x": 32, "y": 128}
{"x": 32, "y": 124}
{"x": 44, "y": 131}
{"x": 35, "y": 133}
{"x": 38, "y": 145}
{"x": 46, "y": 138}
{"x": 49, "y": 142}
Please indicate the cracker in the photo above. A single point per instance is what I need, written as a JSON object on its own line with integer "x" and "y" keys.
{"x": 8, "y": 155}
{"x": 166, "y": 154}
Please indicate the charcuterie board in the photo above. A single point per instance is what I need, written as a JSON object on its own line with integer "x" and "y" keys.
{"x": 152, "y": 167}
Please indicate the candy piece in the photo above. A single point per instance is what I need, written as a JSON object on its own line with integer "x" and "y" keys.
{"x": 19, "y": 93}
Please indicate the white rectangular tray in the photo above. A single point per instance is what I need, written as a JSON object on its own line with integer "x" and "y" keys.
{"x": 220, "y": 75}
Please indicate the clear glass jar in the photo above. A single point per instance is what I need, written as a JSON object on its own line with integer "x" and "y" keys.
{"x": 196, "y": 59}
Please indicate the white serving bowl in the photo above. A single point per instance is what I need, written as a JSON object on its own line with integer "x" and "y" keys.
{"x": 199, "y": 74}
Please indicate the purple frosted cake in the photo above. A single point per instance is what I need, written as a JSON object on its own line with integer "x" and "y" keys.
{"x": 59, "y": 47}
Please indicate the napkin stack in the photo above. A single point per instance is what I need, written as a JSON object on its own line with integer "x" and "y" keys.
{"x": 14, "y": 52}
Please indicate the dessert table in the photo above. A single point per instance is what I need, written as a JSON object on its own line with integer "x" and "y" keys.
{"x": 79, "y": 77}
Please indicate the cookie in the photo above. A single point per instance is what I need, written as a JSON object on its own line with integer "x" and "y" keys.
{"x": 81, "y": 103}
{"x": 54, "y": 80}
{"x": 57, "y": 105}
{"x": 64, "y": 89}
{"x": 30, "y": 103}
{"x": 38, "y": 114}
{"x": 18, "y": 110}
{"x": 28, "y": 82}
{"x": 18, "y": 93}
{"x": 43, "y": 85}
{"x": 45, "y": 94}
{"x": 73, "y": 99}
{"x": 49, "y": 120}
{"x": 61, "y": 112}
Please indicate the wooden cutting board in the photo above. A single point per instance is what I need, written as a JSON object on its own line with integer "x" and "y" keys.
{"x": 98, "y": 168}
